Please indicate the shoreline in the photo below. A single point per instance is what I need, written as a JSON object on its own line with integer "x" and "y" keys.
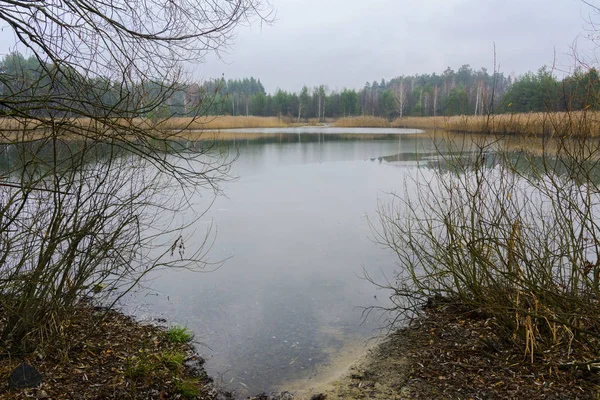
{"x": 102, "y": 353}
{"x": 445, "y": 353}
{"x": 572, "y": 124}
{"x": 448, "y": 353}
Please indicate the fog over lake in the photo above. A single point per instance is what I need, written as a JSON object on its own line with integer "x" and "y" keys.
{"x": 295, "y": 232}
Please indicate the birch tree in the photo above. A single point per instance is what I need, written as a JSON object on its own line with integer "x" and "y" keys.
{"x": 400, "y": 96}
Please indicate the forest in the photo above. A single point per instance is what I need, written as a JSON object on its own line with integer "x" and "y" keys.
{"x": 26, "y": 81}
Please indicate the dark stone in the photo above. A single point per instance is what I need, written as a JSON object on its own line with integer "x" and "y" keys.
{"x": 319, "y": 396}
{"x": 261, "y": 396}
{"x": 24, "y": 376}
{"x": 195, "y": 367}
{"x": 274, "y": 396}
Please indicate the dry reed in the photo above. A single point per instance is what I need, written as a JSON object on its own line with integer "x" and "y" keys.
{"x": 207, "y": 122}
{"x": 578, "y": 123}
{"x": 12, "y": 129}
{"x": 222, "y": 122}
{"x": 363, "y": 121}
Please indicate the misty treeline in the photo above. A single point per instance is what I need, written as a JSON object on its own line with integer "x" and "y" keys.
{"x": 463, "y": 92}
{"x": 32, "y": 87}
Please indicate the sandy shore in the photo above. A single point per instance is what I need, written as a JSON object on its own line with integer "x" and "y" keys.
{"x": 449, "y": 354}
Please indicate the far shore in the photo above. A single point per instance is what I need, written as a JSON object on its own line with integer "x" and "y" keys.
{"x": 567, "y": 124}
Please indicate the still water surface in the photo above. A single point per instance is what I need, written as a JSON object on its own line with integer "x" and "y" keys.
{"x": 328, "y": 130}
{"x": 295, "y": 231}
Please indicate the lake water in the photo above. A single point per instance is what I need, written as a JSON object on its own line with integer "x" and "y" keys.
{"x": 328, "y": 130}
{"x": 294, "y": 229}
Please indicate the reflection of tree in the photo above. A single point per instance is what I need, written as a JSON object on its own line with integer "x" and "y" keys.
{"x": 522, "y": 162}
{"x": 87, "y": 191}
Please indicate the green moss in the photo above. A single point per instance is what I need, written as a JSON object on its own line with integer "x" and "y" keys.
{"x": 179, "y": 334}
{"x": 188, "y": 388}
{"x": 173, "y": 361}
{"x": 138, "y": 368}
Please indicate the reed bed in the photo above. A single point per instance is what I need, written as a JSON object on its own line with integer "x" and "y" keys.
{"x": 175, "y": 123}
{"x": 420, "y": 122}
{"x": 223, "y": 122}
{"x": 363, "y": 121}
{"x": 572, "y": 124}
{"x": 13, "y": 129}
{"x": 577, "y": 123}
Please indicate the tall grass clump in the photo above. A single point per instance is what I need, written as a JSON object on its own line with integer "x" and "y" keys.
{"x": 513, "y": 235}
{"x": 574, "y": 124}
{"x": 420, "y": 122}
{"x": 179, "y": 334}
{"x": 222, "y": 122}
{"x": 34, "y": 129}
{"x": 363, "y": 121}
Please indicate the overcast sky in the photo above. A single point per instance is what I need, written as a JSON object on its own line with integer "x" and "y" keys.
{"x": 344, "y": 43}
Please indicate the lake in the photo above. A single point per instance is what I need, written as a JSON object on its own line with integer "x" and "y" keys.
{"x": 294, "y": 230}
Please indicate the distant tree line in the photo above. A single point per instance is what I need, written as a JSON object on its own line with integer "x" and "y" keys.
{"x": 463, "y": 92}
{"x": 30, "y": 87}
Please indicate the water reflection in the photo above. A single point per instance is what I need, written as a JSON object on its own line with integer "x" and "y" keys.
{"x": 295, "y": 227}
{"x": 326, "y": 130}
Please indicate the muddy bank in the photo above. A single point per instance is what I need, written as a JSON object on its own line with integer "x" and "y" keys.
{"x": 449, "y": 354}
{"x": 104, "y": 354}
{"x": 446, "y": 354}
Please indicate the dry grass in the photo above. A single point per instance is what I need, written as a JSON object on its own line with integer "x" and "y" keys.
{"x": 420, "y": 122}
{"x": 224, "y": 122}
{"x": 19, "y": 129}
{"x": 364, "y": 121}
{"x": 562, "y": 123}
{"x": 207, "y": 122}
{"x": 106, "y": 355}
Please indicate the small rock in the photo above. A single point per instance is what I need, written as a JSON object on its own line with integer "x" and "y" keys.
{"x": 24, "y": 376}
{"x": 260, "y": 396}
{"x": 273, "y": 396}
{"x": 319, "y": 396}
{"x": 41, "y": 394}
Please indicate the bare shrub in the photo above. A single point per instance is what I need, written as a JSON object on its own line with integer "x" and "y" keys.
{"x": 90, "y": 184}
{"x": 511, "y": 233}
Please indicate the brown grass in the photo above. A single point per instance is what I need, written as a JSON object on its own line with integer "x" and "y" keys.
{"x": 241, "y": 135}
{"x": 208, "y": 122}
{"x": 561, "y": 123}
{"x": 420, "y": 122}
{"x": 223, "y": 122}
{"x": 20, "y": 129}
{"x": 364, "y": 121}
